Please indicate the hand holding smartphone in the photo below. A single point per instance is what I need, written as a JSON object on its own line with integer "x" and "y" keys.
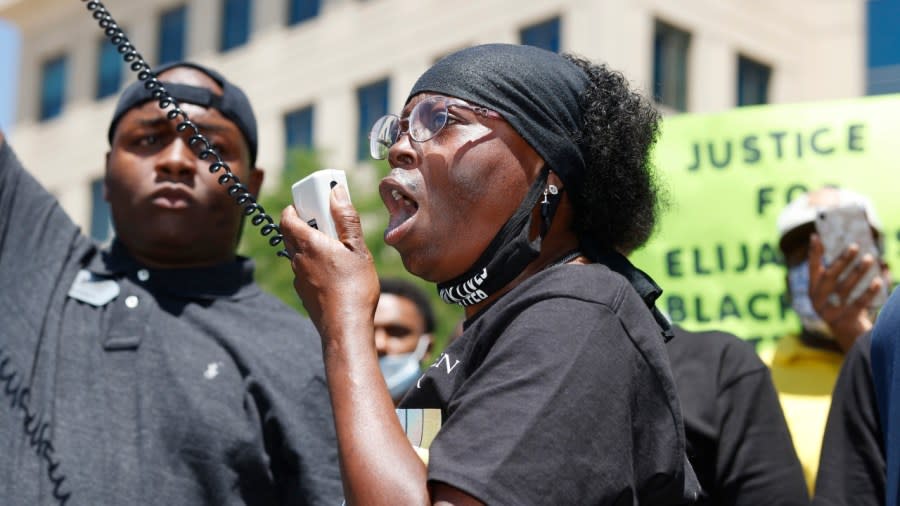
{"x": 838, "y": 228}
{"x": 312, "y": 198}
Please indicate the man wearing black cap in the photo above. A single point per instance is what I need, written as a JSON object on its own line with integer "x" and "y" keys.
{"x": 155, "y": 371}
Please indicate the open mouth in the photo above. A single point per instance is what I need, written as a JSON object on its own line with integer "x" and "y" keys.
{"x": 400, "y": 206}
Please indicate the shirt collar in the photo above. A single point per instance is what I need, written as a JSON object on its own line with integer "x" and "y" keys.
{"x": 643, "y": 284}
{"x": 232, "y": 280}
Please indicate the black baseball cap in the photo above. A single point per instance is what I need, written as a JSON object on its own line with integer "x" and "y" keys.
{"x": 232, "y": 103}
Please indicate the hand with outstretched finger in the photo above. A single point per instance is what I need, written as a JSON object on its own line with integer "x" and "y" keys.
{"x": 830, "y": 293}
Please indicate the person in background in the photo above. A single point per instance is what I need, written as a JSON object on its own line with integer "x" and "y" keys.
{"x": 516, "y": 176}
{"x": 886, "y": 385}
{"x": 404, "y": 327}
{"x": 852, "y": 467}
{"x": 738, "y": 441}
{"x": 155, "y": 371}
{"x": 805, "y": 364}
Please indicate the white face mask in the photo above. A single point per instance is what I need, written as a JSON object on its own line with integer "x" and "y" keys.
{"x": 401, "y": 371}
{"x": 798, "y": 284}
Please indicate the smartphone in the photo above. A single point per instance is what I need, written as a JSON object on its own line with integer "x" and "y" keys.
{"x": 311, "y": 198}
{"x": 838, "y": 228}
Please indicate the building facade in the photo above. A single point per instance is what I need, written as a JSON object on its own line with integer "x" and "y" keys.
{"x": 319, "y": 72}
{"x": 883, "y": 47}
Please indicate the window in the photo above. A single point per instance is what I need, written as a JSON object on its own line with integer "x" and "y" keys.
{"x": 109, "y": 69}
{"x": 53, "y": 87}
{"x": 101, "y": 224}
{"x": 373, "y": 104}
{"x": 543, "y": 35}
{"x": 298, "y": 128}
{"x": 172, "y": 25}
{"x": 670, "y": 49}
{"x": 301, "y": 10}
{"x": 236, "y": 23}
{"x": 753, "y": 82}
{"x": 883, "y": 59}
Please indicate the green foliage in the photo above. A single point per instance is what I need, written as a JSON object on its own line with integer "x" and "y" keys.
{"x": 274, "y": 273}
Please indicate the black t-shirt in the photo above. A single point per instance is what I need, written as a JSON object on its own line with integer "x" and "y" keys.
{"x": 738, "y": 441}
{"x": 852, "y": 465}
{"x": 559, "y": 393}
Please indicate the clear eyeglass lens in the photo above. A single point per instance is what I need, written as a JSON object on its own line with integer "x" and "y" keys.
{"x": 383, "y": 135}
{"x": 427, "y": 119}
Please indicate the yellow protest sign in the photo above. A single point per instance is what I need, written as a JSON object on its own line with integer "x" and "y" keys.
{"x": 728, "y": 176}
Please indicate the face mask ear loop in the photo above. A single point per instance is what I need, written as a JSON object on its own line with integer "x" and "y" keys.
{"x": 422, "y": 346}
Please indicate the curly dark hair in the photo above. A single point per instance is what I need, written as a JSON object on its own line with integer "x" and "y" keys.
{"x": 619, "y": 202}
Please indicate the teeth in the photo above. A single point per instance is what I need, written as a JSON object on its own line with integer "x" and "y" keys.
{"x": 398, "y": 197}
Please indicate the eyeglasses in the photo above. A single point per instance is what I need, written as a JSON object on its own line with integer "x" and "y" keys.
{"x": 425, "y": 121}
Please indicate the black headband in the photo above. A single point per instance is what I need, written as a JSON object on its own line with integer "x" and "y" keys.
{"x": 232, "y": 103}
{"x": 537, "y": 92}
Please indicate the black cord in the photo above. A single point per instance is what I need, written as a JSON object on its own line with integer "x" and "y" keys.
{"x": 236, "y": 189}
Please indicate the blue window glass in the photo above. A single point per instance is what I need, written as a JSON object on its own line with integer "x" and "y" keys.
{"x": 298, "y": 128}
{"x": 101, "y": 223}
{"x": 236, "y": 23}
{"x": 109, "y": 69}
{"x": 544, "y": 35}
{"x": 53, "y": 87}
{"x": 172, "y": 24}
{"x": 883, "y": 73}
{"x": 670, "y": 54}
{"x": 301, "y": 10}
{"x": 753, "y": 82}
{"x": 883, "y": 36}
{"x": 373, "y": 104}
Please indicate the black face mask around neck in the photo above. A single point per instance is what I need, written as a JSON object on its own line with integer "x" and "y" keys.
{"x": 505, "y": 257}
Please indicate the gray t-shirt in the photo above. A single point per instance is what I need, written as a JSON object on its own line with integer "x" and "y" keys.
{"x": 128, "y": 385}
